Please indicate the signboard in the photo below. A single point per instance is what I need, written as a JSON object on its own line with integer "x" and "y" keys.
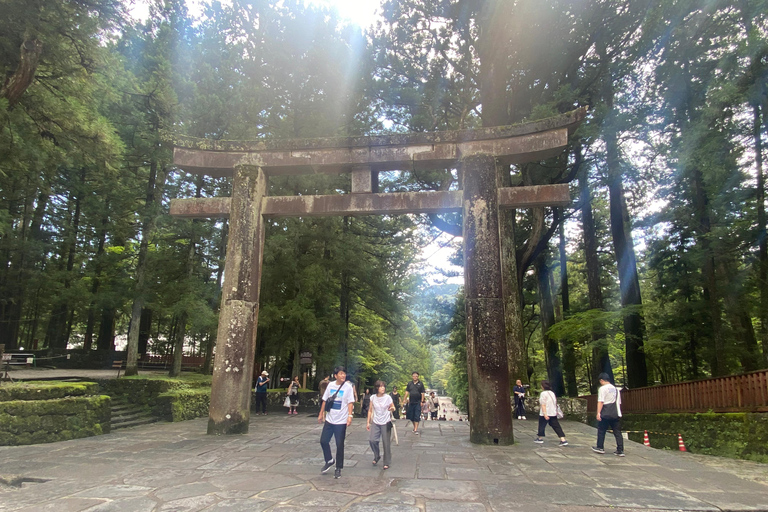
{"x": 6, "y": 357}
{"x": 305, "y": 357}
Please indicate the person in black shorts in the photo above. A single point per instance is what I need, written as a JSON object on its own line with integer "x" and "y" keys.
{"x": 414, "y": 395}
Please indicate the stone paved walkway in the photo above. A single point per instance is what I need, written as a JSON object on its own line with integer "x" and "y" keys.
{"x": 176, "y": 467}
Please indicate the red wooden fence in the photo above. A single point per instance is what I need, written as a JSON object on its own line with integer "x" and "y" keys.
{"x": 735, "y": 393}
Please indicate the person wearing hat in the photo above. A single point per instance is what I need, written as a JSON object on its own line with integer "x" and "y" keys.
{"x": 608, "y": 414}
{"x": 261, "y": 392}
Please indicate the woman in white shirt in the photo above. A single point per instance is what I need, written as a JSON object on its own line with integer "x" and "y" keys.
{"x": 548, "y": 414}
{"x": 378, "y": 423}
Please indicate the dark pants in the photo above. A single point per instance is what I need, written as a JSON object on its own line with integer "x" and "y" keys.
{"x": 553, "y": 422}
{"x": 519, "y": 406}
{"x": 261, "y": 398}
{"x": 339, "y": 432}
{"x": 396, "y": 412}
{"x": 413, "y": 412}
{"x": 602, "y": 427}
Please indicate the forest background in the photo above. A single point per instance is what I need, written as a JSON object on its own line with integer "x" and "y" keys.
{"x": 657, "y": 273}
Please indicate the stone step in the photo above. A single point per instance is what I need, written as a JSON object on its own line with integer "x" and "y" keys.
{"x": 146, "y": 420}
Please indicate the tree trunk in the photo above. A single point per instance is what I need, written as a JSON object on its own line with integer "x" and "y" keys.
{"x": 178, "y": 352}
{"x": 551, "y": 347}
{"x": 600, "y": 361}
{"x": 569, "y": 351}
{"x": 629, "y": 283}
{"x": 131, "y": 367}
{"x": 711, "y": 298}
{"x": 145, "y": 327}
{"x": 344, "y": 303}
{"x": 762, "y": 233}
{"x": 57, "y": 327}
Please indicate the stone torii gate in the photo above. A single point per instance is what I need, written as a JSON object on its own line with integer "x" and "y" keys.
{"x": 476, "y": 152}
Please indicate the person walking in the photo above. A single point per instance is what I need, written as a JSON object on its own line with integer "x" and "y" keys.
{"x": 396, "y": 401}
{"x": 519, "y": 391}
{"x": 434, "y": 405}
{"x": 379, "y": 423}
{"x": 338, "y": 402}
{"x": 414, "y": 395}
{"x": 608, "y": 415}
{"x": 293, "y": 395}
{"x": 548, "y": 414}
{"x": 366, "y": 403}
{"x": 261, "y": 392}
{"x": 323, "y": 385}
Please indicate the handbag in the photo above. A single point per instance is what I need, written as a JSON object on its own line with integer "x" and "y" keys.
{"x": 287, "y": 402}
{"x": 560, "y": 414}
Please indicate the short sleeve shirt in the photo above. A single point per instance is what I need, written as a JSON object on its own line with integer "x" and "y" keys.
{"x": 261, "y": 385}
{"x": 380, "y": 406}
{"x": 415, "y": 390}
{"x": 339, "y": 413}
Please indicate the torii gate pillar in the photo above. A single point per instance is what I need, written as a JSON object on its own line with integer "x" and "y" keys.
{"x": 229, "y": 412}
{"x": 487, "y": 367}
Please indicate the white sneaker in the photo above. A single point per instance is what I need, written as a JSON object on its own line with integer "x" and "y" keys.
{"x": 519, "y": 417}
{"x": 523, "y": 417}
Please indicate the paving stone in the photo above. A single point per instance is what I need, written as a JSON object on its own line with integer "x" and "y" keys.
{"x": 382, "y": 507}
{"x": 352, "y": 484}
{"x": 462, "y": 473}
{"x": 640, "y": 498}
{"x": 431, "y": 471}
{"x": 63, "y": 505}
{"x": 186, "y": 491}
{"x": 132, "y": 470}
{"x": 454, "y": 506}
{"x": 390, "y": 497}
{"x": 285, "y": 493}
{"x": 240, "y": 505}
{"x": 142, "y": 504}
{"x": 440, "y": 489}
{"x": 114, "y": 491}
{"x": 315, "y": 499}
{"x": 192, "y": 504}
{"x": 734, "y": 501}
{"x": 246, "y": 481}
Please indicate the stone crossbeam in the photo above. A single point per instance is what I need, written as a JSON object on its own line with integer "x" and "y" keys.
{"x": 373, "y": 204}
{"x": 414, "y": 151}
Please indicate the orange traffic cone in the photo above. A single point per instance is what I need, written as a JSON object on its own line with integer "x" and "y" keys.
{"x": 646, "y": 441}
{"x": 680, "y": 443}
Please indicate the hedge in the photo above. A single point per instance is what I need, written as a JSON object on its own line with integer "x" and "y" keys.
{"x": 47, "y": 421}
{"x": 43, "y": 390}
{"x": 734, "y": 435}
{"x": 183, "y": 404}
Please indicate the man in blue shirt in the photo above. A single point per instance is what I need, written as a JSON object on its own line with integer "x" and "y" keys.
{"x": 261, "y": 392}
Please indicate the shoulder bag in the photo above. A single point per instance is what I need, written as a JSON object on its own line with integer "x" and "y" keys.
{"x": 331, "y": 399}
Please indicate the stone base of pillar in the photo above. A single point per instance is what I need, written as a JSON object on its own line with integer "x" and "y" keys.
{"x": 228, "y": 426}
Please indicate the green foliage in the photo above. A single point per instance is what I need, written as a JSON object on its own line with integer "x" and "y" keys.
{"x": 734, "y": 435}
{"x": 183, "y": 404}
{"x": 44, "y": 390}
{"x": 48, "y": 421}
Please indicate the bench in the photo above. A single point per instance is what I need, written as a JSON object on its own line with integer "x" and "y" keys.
{"x": 18, "y": 358}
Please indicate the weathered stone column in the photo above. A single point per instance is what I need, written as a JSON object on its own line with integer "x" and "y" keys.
{"x": 487, "y": 367}
{"x": 236, "y": 338}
